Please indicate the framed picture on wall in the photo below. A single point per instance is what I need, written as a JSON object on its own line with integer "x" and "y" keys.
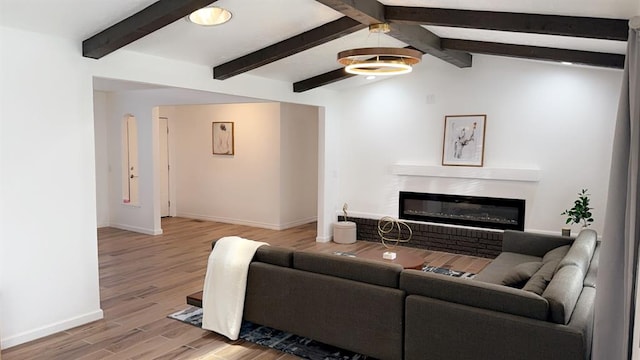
{"x": 223, "y": 142}
{"x": 463, "y": 140}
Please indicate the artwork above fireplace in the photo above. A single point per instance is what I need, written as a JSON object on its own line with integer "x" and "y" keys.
{"x": 476, "y": 211}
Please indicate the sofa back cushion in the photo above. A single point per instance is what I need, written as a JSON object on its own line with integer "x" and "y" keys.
{"x": 541, "y": 278}
{"x": 581, "y": 251}
{"x": 556, "y": 254}
{"x": 475, "y": 293}
{"x": 353, "y": 315}
{"x": 563, "y": 292}
{"x": 367, "y": 271}
{"x": 529, "y": 243}
{"x": 274, "y": 255}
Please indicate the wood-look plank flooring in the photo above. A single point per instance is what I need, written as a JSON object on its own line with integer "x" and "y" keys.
{"x": 144, "y": 278}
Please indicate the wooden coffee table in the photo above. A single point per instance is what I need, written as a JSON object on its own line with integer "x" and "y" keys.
{"x": 404, "y": 258}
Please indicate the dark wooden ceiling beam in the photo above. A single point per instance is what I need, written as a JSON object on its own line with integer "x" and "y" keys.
{"x": 536, "y": 52}
{"x": 288, "y": 47}
{"x": 138, "y": 25}
{"x": 321, "y": 80}
{"x": 373, "y": 12}
{"x": 427, "y": 42}
{"x": 586, "y": 27}
{"x": 520, "y": 51}
{"x": 367, "y": 12}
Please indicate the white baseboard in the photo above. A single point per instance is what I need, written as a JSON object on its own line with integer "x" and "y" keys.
{"x": 323, "y": 239}
{"x": 137, "y": 229}
{"x": 247, "y": 222}
{"x": 298, "y": 222}
{"x": 50, "y": 329}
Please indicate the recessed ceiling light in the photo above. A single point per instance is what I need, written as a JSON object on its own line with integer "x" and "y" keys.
{"x": 210, "y": 16}
{"x": 566, "y": 63}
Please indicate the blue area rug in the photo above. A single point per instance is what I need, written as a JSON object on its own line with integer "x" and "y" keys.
{"x": 279, "y": 340}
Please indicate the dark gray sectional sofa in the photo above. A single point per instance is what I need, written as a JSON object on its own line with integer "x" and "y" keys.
{"x": 380, "y": 310}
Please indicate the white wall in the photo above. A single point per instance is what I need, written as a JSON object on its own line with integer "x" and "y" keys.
{"x": 270, "y": 182}
{"x": 100, "y": 119}
{"x": 298, "y": 164}
{"x": 131, "y": 66}
{"x": 236, "y": 189}
{"x": 546, "y": 116}
{"x": 48, "y": 262}
{"x": 48, "y": 258}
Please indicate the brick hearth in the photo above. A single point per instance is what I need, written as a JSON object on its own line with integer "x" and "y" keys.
{"x": 458, "y": 240}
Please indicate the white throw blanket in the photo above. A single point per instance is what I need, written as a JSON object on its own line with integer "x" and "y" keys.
{"x": 225, "y": 285}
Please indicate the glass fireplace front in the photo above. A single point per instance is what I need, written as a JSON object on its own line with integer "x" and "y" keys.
{"x": 483, "y": 212}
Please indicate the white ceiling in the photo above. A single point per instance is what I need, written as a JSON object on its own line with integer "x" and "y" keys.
{"x": 257, "y": 24}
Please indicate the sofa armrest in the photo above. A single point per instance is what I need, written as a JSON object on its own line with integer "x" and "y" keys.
{"x": 531, "y": 243}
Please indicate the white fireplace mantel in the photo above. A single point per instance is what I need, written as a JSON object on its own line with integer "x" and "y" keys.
{"x": 466, "y": 172}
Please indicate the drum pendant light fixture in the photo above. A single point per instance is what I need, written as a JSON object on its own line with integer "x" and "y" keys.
{"x": 379, "y": 60}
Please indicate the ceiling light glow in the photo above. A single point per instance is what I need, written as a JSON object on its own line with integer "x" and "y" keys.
{"x": 210, "y": 16}
{"x": 379, "y": 60}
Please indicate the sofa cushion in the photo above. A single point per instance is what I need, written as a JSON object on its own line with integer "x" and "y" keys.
{"x": 368, "y": 271}
{"x": 563, "y": 292}
{"x": 529, "y": 243}
{"x": 521, "y": 273}
{"x": 494, "y": 272}
{"x": 581, "y": 251}
{"x": 556, "y": 254}
{"x": 274, "y": 255}
{"x": 539, "y": 281}
{"x": 361, "y": 317}
{"x": 475, "y": 293}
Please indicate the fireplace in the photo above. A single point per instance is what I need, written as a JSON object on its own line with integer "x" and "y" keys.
{"x": 482, "y": 212}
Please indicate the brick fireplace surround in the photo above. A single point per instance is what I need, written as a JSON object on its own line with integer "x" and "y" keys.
{"x": 453, "y": 239}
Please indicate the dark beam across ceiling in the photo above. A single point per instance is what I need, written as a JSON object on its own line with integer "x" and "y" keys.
{"x": 321, "y": 80}
{"x": 288, "y": 47}
{"x": 536, "y": 52}
{"x": 372, "y": 12}
{"x": 139, "y": 25}
{"x": 586, "y": 27}
{"x": 519, "y": 51}
{"x": 367, "y": 12}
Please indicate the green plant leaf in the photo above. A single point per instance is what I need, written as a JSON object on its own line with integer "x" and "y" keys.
{"x": 580, "y": 212}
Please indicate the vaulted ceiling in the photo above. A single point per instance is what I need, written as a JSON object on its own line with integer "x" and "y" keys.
{"x": 297, "y": 40}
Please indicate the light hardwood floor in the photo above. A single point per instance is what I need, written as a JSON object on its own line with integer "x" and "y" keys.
{"x": 144, "y": 278}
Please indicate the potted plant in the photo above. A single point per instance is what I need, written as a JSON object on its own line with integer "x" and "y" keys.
{"x": 580, "y": 213}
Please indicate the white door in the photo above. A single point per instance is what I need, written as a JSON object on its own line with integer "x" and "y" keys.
{"x": 130, "y": 160}
{"x": 163, "y": 128}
